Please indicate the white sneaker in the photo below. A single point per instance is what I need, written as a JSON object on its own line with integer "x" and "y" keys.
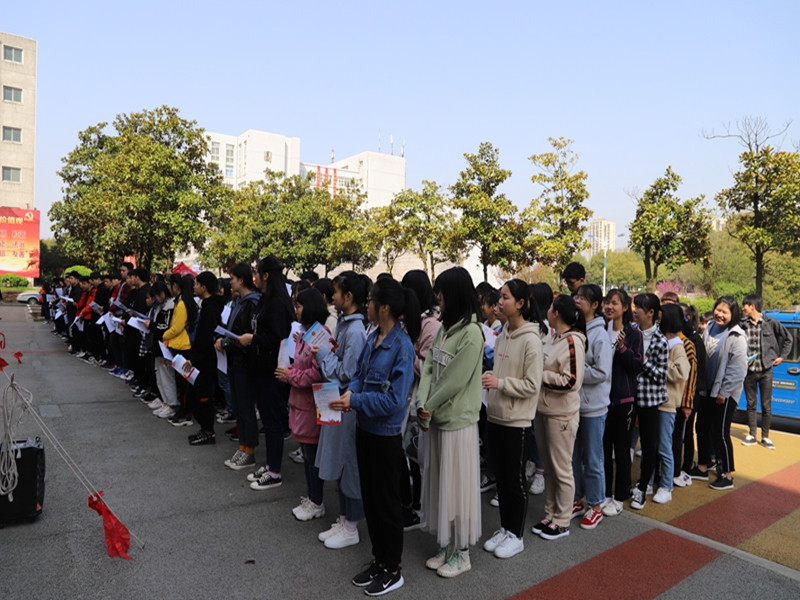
{"x": 493, "y": 542}
{"x": 495, "y": 501}
{"x": 165, "y": 412}
{"x": 307, "y": 510}
{"x": 155, "y": 404}
{"x": 662, "y": 496}
{"x": 537, "y": 486}
{"x": 456, "y": 563}
{"x": 649, "y": 491}
{"x": 530, "y": 469}
{"x": 297, "y": 456}
{"x": 328, "y": 533}
{"x": 342, "y": 539}
{"x": 440, "y": 559}
{"x": 511, "y": 546}
{"x": 682, "y": 480}
{"x": 612, "y": 507}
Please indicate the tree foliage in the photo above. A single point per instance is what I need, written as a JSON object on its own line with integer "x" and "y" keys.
{"x": 286, "y": 216}
{"x": 623, "y": 269}
{"x": 554, "y": 223}
{"x": 667, "y": 231}
{"x": 142, "y": 189}
{"x": 763, "y": 205}
{"x": 487, "y": 218}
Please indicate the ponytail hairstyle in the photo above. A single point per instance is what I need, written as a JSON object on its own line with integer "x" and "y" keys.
{"x": 649, "y": 301}
{"x": 209, "y": 281}
{"x": 460, "y": 298}
{"x": 276, "y": 283}
{"x": 402, "y": 303}
{"x": 519, "y": 290}
{"x": 593, "y": 293}
{"x": 244, "y": 272}
{"x": 350, "y": 282}
{"x": 542, "y": 297}
{"x": 625, "y": 300}
{"x": 565, "y": 306}
{"x": 187, "y": 297}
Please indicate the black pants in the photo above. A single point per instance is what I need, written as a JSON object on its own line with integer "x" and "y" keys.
{"x": 761, "y": 381}
{"x": 201, "y": 396}
{"x": 703, "y": 424}
{"x": 617, "y": 439}
{"x": 721, "y": 434}
{"x": 648, "y": 438}
{"x": 379, "y": 459}
{"x": 508, "y": 448}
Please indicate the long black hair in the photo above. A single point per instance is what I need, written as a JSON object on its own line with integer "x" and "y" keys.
{"x": 460, "y": 299}
{"x": 186, "y": 286}
{"x": 625, "y": 300}
{"x": 418, "y": 280}
{"x": 276, "y": 284}
{"x": 402, "y": 303}
{"x": 522, "y": 291}
{"x": 244, "y": 272}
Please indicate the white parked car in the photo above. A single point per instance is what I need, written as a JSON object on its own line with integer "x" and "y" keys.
{"x": 31, "y": 298}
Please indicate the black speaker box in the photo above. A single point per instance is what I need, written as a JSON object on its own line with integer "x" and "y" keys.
{"x": 29, "y": 493}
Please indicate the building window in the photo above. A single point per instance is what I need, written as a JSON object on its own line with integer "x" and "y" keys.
{"x": 215, "y": 152}
{"x": 12, "y": 54}
{"x": 12, "y": 174}
{"x": 12, "y": 94}
{"x": 12, "y": 134}
{"x": 229, "y": 160}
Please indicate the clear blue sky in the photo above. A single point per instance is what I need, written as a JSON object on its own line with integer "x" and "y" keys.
{"x": 632, "y": 83}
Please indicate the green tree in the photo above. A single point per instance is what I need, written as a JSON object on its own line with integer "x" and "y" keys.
{"x": 386, "y": 230}
{"x": 623, "y": 268}
{"x": 728, "y": 271}
{"x": 763, "y": 205}
{"x": 667, "y": 231}
{"x": 428, "y": 223}
{"x": 52, "y": 259}
{"x": 143, "y": 189}
{"x": 554, "y": 221}
{"x": 488, "y": 219}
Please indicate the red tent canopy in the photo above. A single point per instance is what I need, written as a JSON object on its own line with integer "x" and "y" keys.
{"x": 182, "y": 269}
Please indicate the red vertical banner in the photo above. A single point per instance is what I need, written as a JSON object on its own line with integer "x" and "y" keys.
{"x": 319, "y": 170}
{"x": 19, "y": 241}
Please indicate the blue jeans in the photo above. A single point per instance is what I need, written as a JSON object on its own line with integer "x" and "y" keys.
{"x": 666, "y": 424}
{"x": 588, "y": 460}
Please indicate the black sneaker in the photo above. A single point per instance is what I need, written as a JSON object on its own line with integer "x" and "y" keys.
{"x": 696, "y": 473}
{"x": 365, "y": 577}
{"x": 181, "y": 420}
{"x": 487, "y": 483}
{"x": 537, "y": 529}
{"x": 202, "y": 439}
{"x": 384, "y": 582}
{"x": 553, "y": 532}
{"x": 722, "y": 483}
{"x": 411, "y": 520}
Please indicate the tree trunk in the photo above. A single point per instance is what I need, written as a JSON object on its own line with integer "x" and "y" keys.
{"x": 759, "y": 256}
{"x": 649, "y": 285}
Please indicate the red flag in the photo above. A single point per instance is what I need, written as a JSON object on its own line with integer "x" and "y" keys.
{"x": 118, "y": 538}
{"x": 3, "y": 363}
{"x": 18, "y": 356}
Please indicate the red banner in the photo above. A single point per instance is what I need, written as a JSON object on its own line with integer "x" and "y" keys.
{"x": 19, "y": 241}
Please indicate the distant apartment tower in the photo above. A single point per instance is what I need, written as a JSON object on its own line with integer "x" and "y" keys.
{"x": 602, "y": 235}
{"x": 245, "y": 158}
{"x": 17, "y": 120}
{"x": 718, "y": 223}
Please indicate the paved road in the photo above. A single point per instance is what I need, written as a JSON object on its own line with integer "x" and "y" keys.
{"x": 207, "y": 535}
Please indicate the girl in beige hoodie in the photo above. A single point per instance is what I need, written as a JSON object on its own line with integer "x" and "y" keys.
{"x": 558, "y": 415}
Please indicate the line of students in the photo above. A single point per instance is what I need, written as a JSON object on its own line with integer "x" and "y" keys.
{"x": 560, "y": 391}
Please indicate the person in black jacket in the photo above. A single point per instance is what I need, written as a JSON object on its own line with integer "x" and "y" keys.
{"x": 273, "y": 323}
{"x": 203, "y": 357}
{"x": 242, "y": 378}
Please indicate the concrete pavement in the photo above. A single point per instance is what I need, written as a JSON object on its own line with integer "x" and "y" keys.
{"x": 208, "y": 535}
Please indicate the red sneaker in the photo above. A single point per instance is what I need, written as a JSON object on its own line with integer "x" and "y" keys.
{"x": 591, "y": 518}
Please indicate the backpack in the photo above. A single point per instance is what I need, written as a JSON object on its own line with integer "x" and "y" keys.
{"x": 192, "y": 331}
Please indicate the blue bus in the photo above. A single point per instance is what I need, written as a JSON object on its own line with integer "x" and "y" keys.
{"x": 786, "y": 376}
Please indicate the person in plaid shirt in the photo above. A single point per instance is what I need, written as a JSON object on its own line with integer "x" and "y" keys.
{"x": 651, "y": 387}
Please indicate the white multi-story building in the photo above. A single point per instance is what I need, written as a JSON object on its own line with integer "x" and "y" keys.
{"x": 602, "y": 235}
{"x": 17, "y": 120}
{"x": 245, "y": 158}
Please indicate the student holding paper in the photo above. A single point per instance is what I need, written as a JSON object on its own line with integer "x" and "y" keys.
{"x": 310, "y": 308}
{"x": 449, "y": 404}
{"x": 177, "y": 339}
{"x": 336, "y": 455}
{"x": 274, "y": 316}
{"x": 378, "y": 393}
